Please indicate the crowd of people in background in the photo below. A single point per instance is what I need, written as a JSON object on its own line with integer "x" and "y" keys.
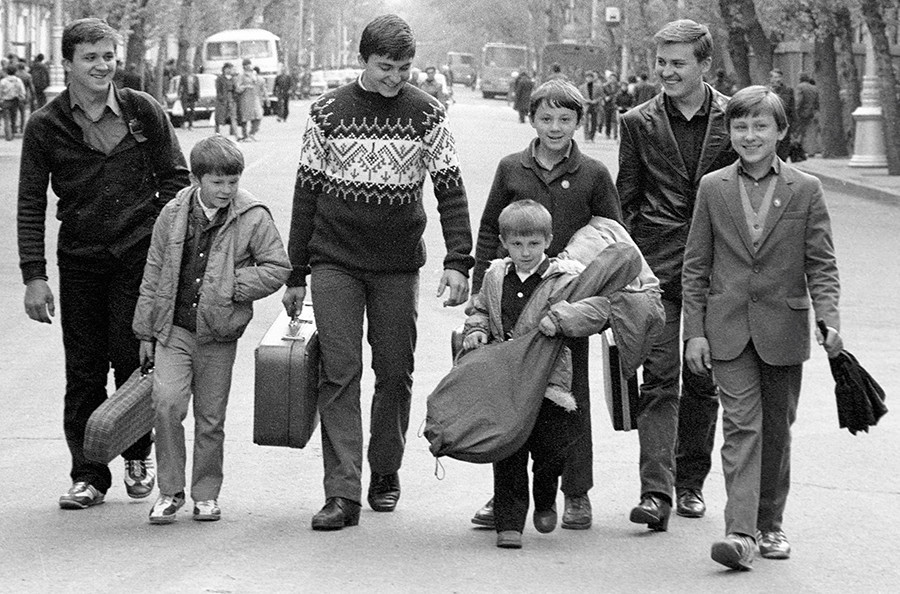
{"x": 22, "y": 90}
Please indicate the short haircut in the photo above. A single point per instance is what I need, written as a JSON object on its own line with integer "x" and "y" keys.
{"x": 11, "y": 70}
{"x": 756, "y": 101}
{"x": 557, "y": 93}
{"x": 226, "y": 66}
{"x": 216, "y": 155}
{"x": 89, "y": 30}
{"x": 687, "y": 31}
{"x": 39, "y": 58}
{"x": 387, "y": 35}
{"x": 525, "y": 217}
{"x": 806, "y": 77}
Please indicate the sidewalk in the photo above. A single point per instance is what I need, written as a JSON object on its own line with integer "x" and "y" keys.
{"x": 870, "y": 183}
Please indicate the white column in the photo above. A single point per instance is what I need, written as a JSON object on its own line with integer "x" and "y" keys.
{"x": 868, "y": 139}
{"x": 57, "y": 76}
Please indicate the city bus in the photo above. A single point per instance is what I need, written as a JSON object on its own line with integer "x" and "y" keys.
{"x": 501, "y": 63}
{"x": 574, "y": 59}
{"x": 462, "y": 68}
{"x": 262, "y": 47}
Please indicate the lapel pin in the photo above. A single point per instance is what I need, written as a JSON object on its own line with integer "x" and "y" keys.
{"x": 565, "y": 184}
{"x": 777, "y": 202}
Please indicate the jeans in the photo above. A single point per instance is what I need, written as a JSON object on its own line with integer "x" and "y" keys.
{"x": 183, "y": 368}
{"x": 659, "y": 419}
{"x": 389, "y": 303}
{"x": 96, "y": 310}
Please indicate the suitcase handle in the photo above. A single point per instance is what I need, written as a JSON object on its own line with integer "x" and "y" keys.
{"x": 293, "y": 329}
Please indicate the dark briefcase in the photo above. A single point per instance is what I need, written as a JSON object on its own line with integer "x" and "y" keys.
{"x": 622, "y": 395}
{"x": 285, "y": 407}
{"x": 125, "y": 417}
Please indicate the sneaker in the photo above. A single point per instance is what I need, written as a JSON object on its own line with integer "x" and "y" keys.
{"x": 207, "y": 511}
{"x": 80, "y": 496}
{"x": 140, "y": 477}
{"x": 166, "y": 507}
{"x": 773, "y": 544}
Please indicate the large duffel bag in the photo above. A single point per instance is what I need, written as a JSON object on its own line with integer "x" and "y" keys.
{"x": 125, "y": 417}
{"x": 285, "y": 407}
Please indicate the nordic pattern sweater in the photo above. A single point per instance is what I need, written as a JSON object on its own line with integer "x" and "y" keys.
{"x": 358, "y": 194}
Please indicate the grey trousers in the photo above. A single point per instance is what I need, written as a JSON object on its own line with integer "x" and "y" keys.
{"x": 759, "y": 405}
{"x": 184, "y": 367}
{"x": 388, "y": 302}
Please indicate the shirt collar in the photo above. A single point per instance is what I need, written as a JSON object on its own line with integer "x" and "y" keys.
{"x": 673, "y": 111}
{"x": 79, "y": 100}
{"x": 540, "y": 269}
{"x": 565, "y": 158}
{"x": 775, "y": 168}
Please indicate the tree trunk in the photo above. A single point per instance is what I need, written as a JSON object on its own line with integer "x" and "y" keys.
{"x": 834, "y": 138}
{"x": 737, "y": 41}
{"x": 890, "y": 111}
{"x": 848, "y": 73}
{"x": 184, "y": 41}
{"x": 555, "y": 20}
{"x": 756, "y": 37}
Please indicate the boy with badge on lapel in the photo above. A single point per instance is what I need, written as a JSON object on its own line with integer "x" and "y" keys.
{"x": 759, "y": 255}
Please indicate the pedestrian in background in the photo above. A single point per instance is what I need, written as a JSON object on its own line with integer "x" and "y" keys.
{"x": 220, "y": 242}
{"x": 806, "y": 130}
{"x": 360, "y": 240}
{"x": 226, "y": 107}
{"x": 284, "y": 88}
{"x": 786, "y": 94}
{"x": 25, "y": 108}
{"x": 749, "y": 283}
{"x": 114, "y": 162}
{"x": 573, "y": 187}
{"x": 188, "y": 93}
{"x": 40, "y": 78}
{"x": 610, "y": 91}
{"x": 250, "y": 91}
{"x": 669, "y": 143}
{"x": 523, "y": 87}
{"x": 593, "y": 98}
{"x": 12, "y": 94}
{"x": 644, "y": 90}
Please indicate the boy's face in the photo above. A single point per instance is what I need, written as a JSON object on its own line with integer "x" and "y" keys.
{"x": 755, "y": 138}
{"x": 217, "y": 191}
{"x": 555, "y": 126}
{"x": 92, "y": 66}
{"x": 678, "y": 69}
{"x": 384, "y": 75}
{"x": 526, "y": 251}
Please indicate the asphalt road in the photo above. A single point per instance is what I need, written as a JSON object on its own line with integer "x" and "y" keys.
{"x": 842, "y": 515}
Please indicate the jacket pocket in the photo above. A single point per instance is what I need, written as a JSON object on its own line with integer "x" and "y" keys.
{"x": 798, "y": 302}
{"x": 227, "y": 322}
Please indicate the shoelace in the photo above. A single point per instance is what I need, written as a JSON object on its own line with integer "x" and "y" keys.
{"x": 136, "y": 469}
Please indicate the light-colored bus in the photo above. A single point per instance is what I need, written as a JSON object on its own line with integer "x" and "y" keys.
{"x": 501, "y": 63}
{"x": 462, "y": 68}
{"x": 262, "y": 47}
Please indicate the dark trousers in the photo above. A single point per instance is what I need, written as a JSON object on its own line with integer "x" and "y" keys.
{"x": 189, "y": 104}
{"x": 553, "y": 434}
{"x": 610, "y": 124}
{"x": 9, "y": 108}
{"x": 388, "y": 301}
{"x": 284, "y": 102}
{"x": 660, "y": 421}
{"x": 97, "y": 308}
{"x": 578, "y": 474}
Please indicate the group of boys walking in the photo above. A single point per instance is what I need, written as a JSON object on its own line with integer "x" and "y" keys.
{"x": 157, "y": 266}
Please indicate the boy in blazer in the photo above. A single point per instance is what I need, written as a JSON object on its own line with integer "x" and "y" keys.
{"x": 759, "y": 255}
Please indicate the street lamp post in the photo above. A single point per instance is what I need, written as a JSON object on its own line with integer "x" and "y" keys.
{"x": 868, "y": 140}
{"x": 57, "y": 75}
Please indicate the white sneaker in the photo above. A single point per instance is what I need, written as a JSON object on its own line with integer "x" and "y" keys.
{"x": 140, "y": 477}
{"x": 207, "y": 511}
{"x": 165, "y": 509}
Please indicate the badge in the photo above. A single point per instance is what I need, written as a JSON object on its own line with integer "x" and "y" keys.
{"x": 565, "y": 184}
{"x": 777, "y": 202}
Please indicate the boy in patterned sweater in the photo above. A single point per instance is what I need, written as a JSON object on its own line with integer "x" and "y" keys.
{"x": 356, "y": 229}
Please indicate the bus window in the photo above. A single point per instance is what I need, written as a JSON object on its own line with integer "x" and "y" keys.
{"x": 256, "y": 48}
{"x": 222, "y": 50}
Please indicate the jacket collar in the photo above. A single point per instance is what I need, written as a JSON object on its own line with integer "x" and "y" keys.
{"x": 781, "y": 199}
{"x": 659, "y": 133}
{"x": 569, "y": 165}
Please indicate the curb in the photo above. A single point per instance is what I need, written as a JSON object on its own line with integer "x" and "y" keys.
{"x": 856, "y": 188}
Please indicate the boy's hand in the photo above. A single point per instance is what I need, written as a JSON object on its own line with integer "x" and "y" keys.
{"x": 146, "y": 353}
{"x": 696, "y": 353}
{"x": 292, "y": 300}
{"x": 547, "y": 326}
{"x": 458, "y": 285}
{"x": 39, "y": 303}
{"x": 474, "y": 340}
{"x": 832, "y": 341}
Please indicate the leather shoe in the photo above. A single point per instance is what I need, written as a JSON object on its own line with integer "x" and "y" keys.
{"x": 337, "y": 513}
{"x": 384, "y": 491}
{"x": 773, "y": 544}
{"x": 652, "y": 511}
{"x": 545, "y": 521}
{"x": 735, "y": 552}
{"x": 509, "y": 539}
{"x": 690, "y": 503}
{"x": 577, "y": 514}
{"x": 485, "y": 516}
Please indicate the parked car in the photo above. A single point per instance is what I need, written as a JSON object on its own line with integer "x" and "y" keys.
{"x": 205, "y": 105}
{"x": 317, "y": 82}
